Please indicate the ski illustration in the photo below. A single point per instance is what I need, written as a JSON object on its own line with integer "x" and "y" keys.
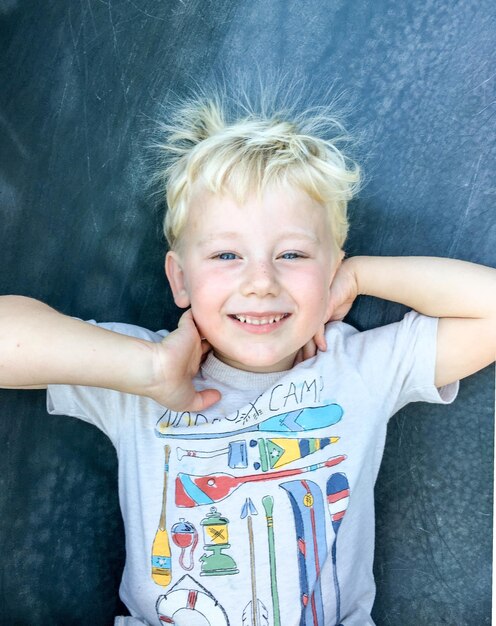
{"x": 308, "y": 509}
{"x": 338, "y": 495}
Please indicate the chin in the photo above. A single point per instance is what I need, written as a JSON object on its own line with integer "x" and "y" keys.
{"x": 260, "y": 364}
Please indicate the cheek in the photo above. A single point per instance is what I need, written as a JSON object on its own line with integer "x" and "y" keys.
{"x": 206, "y": 300}
{"x": 312, "y": 285}
{"x": 202, "y": 316}
{"x": 314, "y": 294}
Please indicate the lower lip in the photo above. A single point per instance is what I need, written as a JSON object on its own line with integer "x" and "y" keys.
{"x": 259, "y": 329}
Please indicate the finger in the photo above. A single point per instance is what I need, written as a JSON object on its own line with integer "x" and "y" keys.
{"x": 205, "y": 346}
{"x": 187, "y": 323}
{"x": 186, "y": 317}
{"x": 299, "y": 357}
{"x": 340, "y": 312}
{"x": 205, "y": 399}
{"x": 320, "y": 340}
{"x": 309, "y": 350}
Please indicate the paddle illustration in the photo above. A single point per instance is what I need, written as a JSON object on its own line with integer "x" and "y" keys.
{"x": 297, "y": 421}
{"x": 268, "y": 505}
{"x": 276, "y": 452}
{"x": 255, "y": 613}
{"x": 161, "y": 552}
{"x": 197, "y": 490}
{"x": 338, "y": 495}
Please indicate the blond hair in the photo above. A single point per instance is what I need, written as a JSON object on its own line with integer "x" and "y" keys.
{"x": 228, "y": 147}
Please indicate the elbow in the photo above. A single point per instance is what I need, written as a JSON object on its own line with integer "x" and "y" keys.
{"x": 14, "y": 305}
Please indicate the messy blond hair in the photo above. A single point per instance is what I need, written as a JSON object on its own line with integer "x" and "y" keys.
{"x": 230, "y": 146}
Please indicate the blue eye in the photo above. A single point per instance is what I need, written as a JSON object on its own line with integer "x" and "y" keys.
{"x": 226, "y": 256}
{"x": 288, "y": 256}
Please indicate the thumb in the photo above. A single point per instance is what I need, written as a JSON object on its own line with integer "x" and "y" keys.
{"x": 204, "y": 399}
{"x": 186, "y": 320}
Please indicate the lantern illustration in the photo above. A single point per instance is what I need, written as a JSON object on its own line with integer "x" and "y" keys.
{"x": 216, "y": 536}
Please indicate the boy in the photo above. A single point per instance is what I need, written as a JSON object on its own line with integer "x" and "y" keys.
{"x": 270, "y": 422}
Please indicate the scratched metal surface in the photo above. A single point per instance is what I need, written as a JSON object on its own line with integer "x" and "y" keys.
{"x": 82, "y": 84}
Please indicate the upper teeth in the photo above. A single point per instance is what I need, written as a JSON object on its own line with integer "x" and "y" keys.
{"x": 259, "y": 320}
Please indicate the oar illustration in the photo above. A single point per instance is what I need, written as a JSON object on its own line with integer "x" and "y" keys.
{"x": 161, "y": 552}
{"x": 338, "y": 492}
{"x": 268, "y": 505}
{"x": 298, "y": 421}
{"x": 197, "y": 490}
{"x": 255, "y": 613}
{"x": 276, "y": 452}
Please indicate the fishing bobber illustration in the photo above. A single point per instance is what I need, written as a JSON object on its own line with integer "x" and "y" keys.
{"x": 216, "y": 536}
{"x": 184, "y": 535}
{"x": 275, "y": 453}
{"x": 235, "y": 451}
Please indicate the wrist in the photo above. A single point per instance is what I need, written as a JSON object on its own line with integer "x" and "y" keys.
{"x": 147, "y": 375}
{"x": 354, "y": 265}
{"x": 116, "y": 361}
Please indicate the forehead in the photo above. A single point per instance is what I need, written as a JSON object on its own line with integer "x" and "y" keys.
{"x": 278, "y": 209}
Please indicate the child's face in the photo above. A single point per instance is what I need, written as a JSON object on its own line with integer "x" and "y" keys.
{"x": 256, "y": 276}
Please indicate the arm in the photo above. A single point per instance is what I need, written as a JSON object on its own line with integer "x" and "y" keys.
{"x": 462, "y": 294}
{"x": 39, "y": 346}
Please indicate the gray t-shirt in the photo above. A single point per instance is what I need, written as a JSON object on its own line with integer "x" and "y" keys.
{"x": 261, "y": 509}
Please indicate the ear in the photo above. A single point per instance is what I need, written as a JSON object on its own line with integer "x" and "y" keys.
{"x": 175, "y": 276}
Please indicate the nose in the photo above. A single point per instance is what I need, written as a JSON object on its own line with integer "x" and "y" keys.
{"x": 260, "y": 279}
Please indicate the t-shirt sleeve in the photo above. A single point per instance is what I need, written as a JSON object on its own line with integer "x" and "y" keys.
{"x": 105, "y": 408}
{"x": 398, "y": 362}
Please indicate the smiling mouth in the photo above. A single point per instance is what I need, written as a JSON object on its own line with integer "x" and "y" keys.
{"x": 260, "y": 321}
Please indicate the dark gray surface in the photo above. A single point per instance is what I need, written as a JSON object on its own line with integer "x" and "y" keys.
{"x": 81, "y": 83}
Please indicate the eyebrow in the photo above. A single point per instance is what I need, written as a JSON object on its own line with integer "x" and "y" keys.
{"x": 222, "y": 235}
{"x": 233, "y": 235}
{"x": 300, "y": 235}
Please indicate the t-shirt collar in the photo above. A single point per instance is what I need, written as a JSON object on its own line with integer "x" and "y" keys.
{"x": 212, "y": 367}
